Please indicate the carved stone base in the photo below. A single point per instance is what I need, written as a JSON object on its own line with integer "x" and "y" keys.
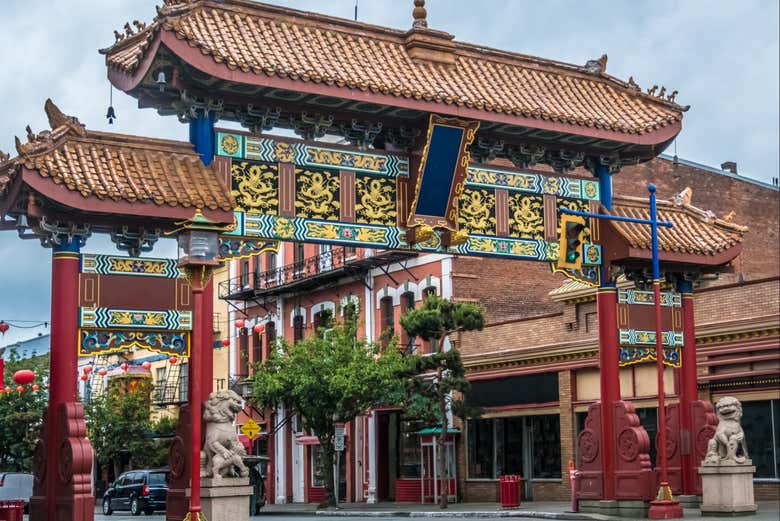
{"x": 727, "y": 489}
{"x": 225, "y": 499}
{"x": 615, "y": 508}
{"x": 71, "y": 470}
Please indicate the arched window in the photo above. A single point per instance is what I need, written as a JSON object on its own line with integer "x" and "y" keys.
{"x": 243, "y": 352}
{"x": 298, "y": 328}
{"x": 387, "y": 320}
{"x": 270, "y": 339}
{"x": 407, "y": 303}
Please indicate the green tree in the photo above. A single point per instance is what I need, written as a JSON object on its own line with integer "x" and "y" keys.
{"x": 21, "y": 414}
{"x": 437, "y": 383}
{"x": 118, "y": 424}
{"x": 328, "y": 378}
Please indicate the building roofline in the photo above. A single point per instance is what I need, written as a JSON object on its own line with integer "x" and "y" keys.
{"x": 716, "y": 170}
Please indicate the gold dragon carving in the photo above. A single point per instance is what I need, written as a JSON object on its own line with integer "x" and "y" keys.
{"x": 317, "y": 195}
{"x": 476, "y": 211}
{"x": 255, "y": 187}
{"x": 526, "y": 216}
{"x": 377, "y": 200}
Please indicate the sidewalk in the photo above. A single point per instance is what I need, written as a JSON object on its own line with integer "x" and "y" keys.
{"x": 767, "y": 511}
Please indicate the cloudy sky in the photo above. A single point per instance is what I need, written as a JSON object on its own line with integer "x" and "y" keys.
{"x": 721, "y": 55}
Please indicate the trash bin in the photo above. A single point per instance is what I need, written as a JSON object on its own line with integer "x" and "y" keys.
{"x": 12, "y": 510}
{"x": 509, "y": 491}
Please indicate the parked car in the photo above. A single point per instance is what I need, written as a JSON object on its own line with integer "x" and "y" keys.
{"x": 15, "y": 485}
{"x": 137, "y": 491}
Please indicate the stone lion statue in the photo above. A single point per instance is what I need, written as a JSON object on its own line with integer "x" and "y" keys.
{"x": 729, "y": 435}
{"x": 222, "y": 452}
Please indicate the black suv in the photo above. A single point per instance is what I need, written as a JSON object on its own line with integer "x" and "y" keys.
{"x": 137, "y": 491}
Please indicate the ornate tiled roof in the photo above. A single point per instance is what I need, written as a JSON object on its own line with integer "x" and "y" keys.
{"x": 118, "y": 167}
{"x": 695, "y": 231}
{"x": 306, "y": 47}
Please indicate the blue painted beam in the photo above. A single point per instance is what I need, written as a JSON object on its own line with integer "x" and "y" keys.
{"x": 605, "y": 184}
{"x": 202, "y": 136}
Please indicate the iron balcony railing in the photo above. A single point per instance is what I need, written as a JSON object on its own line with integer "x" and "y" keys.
{"x": 309, "y": 273}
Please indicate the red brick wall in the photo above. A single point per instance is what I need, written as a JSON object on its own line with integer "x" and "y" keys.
{"x": 755, "y": 206}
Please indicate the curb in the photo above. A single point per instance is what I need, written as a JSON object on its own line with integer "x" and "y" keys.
{"x": 474, "y": 514}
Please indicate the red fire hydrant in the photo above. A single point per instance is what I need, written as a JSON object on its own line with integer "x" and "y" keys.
{"x": 575, "y": 506}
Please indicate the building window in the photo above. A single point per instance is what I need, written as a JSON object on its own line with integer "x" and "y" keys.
{"x": 270, "y": 339}
{"x": 270, "y": 268}
{"x": 546, "y": 446}
{"x": 480, "y": 449}
{"x": 430, "y": 291}
{"x": 184, "y": 377}
{"x": 761, "y": 423}
{"x": 350, "y": 251}
{"x": 387, "y": 320}
{"x": 322, "y": 321}
{"x": 409, "y": 450}
{"x": 317, "y": 465}
{"x": 500, "y": 446}
{"x": 244, "y": 273}
{"x": 407, "y": 303}
{"x": 298, "y": 258}
{"x": 159, "y": 376}
{"x": 243, "y": 352}
{"x": 297, "y": 328}
{"x": 257, "y": 347}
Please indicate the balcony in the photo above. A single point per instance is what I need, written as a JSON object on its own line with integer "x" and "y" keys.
{"x": 311, "y": 273}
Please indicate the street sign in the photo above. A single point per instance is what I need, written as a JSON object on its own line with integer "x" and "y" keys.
{"x": 338, "y": 437}
{"x": 250, "y": 429}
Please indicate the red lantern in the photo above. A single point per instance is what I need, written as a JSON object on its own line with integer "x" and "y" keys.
{"x": 87, "y": 369}
{"x": 4, "y": 327}
{"x": 146, "y": 365}
{"x": 20, "y": 389}
{"x": 226, "y": 342}
{"x": 84, "y": 377}
{"x": 172, "y": 360}
{"x": 124, "y": 366}
{"x": 24, "y": 377}
{"x": 259, "y": 328}
{"x": 239, "y": 323}
{"x": 103, "y": 371}
{"x": 35, "y": 387}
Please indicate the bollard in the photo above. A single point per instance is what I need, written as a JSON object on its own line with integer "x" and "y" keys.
{"x": 573, "y": 481}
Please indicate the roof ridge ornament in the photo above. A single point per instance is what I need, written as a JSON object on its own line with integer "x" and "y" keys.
{"x": 58, "y": 119}
{"x": 420, "y": 15}
{"x": 597, "y": 66}
{"x": 684, "y": 198}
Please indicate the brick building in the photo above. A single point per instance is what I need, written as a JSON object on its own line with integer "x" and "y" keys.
{"x": 534, "y": 367}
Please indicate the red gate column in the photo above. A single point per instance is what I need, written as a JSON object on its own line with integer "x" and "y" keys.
{"x": 688, "y": 391}
{"x": 610, "y": 380}
{"x": 63, "y": 456}
{"x": 207, "y": 342}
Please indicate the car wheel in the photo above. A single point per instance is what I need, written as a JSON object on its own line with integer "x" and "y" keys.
{"x": 135, "y": 507}
{"x": 107, "y": 507}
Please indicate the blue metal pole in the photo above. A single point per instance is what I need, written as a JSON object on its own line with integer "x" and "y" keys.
{"x": 664, "y": 507}
{"x": 666, "y": 224}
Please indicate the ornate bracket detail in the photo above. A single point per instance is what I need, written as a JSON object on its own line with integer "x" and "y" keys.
{"x": 258, "y": 120}
{"x": 311, "y": 127}
{"x": 134, "y": 243}
{"x": 56, "y": 234}
{"x": 361, "y": 134}
{"x": 525, "y": 156}
{"x": 402, "y": 138}
{"x": 564, "y": 161}
{"x": 486, "y": 150}
{"x": 190, "y": 107}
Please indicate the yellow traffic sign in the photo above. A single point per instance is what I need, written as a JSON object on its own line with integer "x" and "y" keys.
{"x": 250, "y": 428}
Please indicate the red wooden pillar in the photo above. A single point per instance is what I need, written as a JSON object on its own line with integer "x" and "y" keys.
{"x": 688, "y": 391}
{"x": 207, "y": 342}
{"x": 63, "y": 456}
{"x": 610, "y": 380}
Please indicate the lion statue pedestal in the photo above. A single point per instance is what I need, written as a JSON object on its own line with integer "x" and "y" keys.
{"x": 224, "y": 482}
{"x": 727, "y": 472}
